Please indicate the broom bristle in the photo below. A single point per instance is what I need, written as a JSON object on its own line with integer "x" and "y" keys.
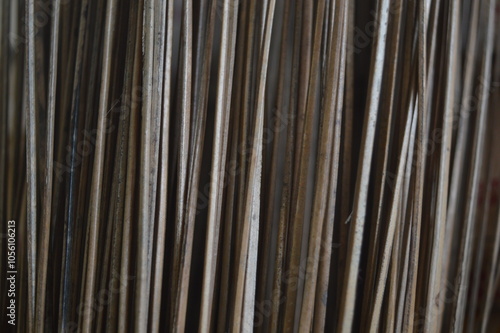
{"x": 239, "y": 165}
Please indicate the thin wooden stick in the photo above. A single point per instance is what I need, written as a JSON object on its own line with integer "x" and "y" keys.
{"x": 182, "y": 230}
{"x": 225, "y": 77}
{"x": 320, "y": 206}
{"x": 361, "y": 192}
{"x": 246, "y": 279}
{"x": 31, "y": 153}
{"x": 97, "y": 176}
{"x": 48, "y": 182}
{"x": 327, "y": 236}
{"x": 478, "y": 149}
{"x": 303, "y": 170}
{"x": 389, "y": 241}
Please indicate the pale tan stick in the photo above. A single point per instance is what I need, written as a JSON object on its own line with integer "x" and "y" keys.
{"x": 388, "y": 244}
{"x": 246, "y": 277}
{"x": 121, "y": 213}
{"x": 185, "y": 110}
{"x": 458, "y": 314}
{"x": 97, "y": 174}
{"x": 381, "y": 177}
{"x": 434, "y": 280}
{"x": 142, "y": 283}
{"x": 284, "y": 214}
{"x": 225, "y": 303}
{"x": 416, "y": 209}
{"x": 361, "y": 192}
{"x": 48, "y": 185}
{"x": 157, "y": 117}
{"x": 321, "y": 301}
{"x": 31, "y": 162}
{"x": 463, "y": 136}
{"x": 163, "y": 178}
{"x": 67, "y": 266}
{"x": 298, "y": 210}
{"x": 225, "y": 77}
{"x": 131, "y": 185}
{"x": 273, "y": 196}
{"x": 324, "y": 160}
{"x": 479, "y": 244}
{"x": 492, "y": 280}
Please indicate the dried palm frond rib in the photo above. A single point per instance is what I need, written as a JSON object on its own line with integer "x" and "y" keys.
{"x": 249, "y": 166}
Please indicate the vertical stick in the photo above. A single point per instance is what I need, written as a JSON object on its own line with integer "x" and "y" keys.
{"x": 31, "y": 161}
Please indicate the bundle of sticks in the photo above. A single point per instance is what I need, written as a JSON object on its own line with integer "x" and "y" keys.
{"x": 242, "y": 165}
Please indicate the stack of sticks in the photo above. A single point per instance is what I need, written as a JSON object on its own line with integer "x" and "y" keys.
{"x": 240, "y": 165}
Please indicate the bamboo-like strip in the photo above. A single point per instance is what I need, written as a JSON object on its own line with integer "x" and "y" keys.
{"x": 320, "y": 307}
{"x": 48, "y": 182}
{"x": 142, "y": 296}
{"x": 273, "y": 196}
{"x": 125, "y": 134}
{"x": 433, "y": 308}
{"x": 298, "y": 210}
{"x": 361, "y": 192}
{"x": 421, "y": 157}
{"x": 285, "y": 207}
{"x": 458, "y": 316}
{"x": 163, "y": 173}
{"x": 225, "y": 77}
{"x": 463, "y": 135}
{"x": 480, "y": 243}
{"x": 130, "y": 184}
{"x": 70, "y": 216}
{"x": 228, "y": 239}
{"x": 389, "y": 101}
{"x": 181, "y": 233}
{"x": 98, "y": 166}
{"x": 324, "y": 160}
{"x": 404, "y": 270}
{"x": 388, "y": 244}
{"x": 246, "y": 277}
{"x": 157, "y": 118}
{"x": 492, "y": 281}
{"x": 31, "y": 153}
